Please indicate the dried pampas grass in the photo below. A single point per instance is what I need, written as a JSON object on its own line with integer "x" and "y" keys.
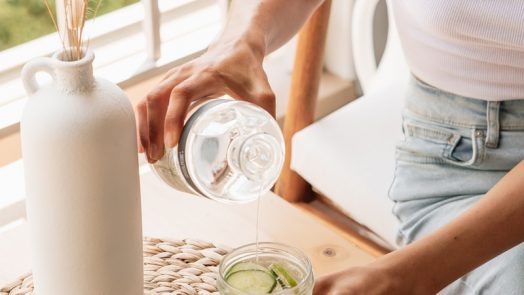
{"x": 75, "y": 14}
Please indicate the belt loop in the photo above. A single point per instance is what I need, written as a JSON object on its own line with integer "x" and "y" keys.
{"x": 492, "y": 117}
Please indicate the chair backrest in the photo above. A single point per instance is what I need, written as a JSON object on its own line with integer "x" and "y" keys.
{"x": 392, "y": 66}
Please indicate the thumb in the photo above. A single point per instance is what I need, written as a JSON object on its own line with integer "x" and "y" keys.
{"x": 322, "y": 286}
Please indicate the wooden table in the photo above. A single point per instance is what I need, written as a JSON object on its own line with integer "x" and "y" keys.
{"x": 174, "y": 215}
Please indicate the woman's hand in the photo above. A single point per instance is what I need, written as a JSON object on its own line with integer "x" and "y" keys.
{"x": 370, "y": 280}
{"x": 233, "y": 68}
{"x": 232, "y": 65}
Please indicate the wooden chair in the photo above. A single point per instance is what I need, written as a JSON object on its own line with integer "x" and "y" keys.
{"x": 305, "y": 81}
{"x": 304, "y": 91}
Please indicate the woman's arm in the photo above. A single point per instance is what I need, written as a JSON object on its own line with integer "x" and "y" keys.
{"x": 271, "y": 22}
{"x": 492, "y": 226}
{"x": 232, "y": 65}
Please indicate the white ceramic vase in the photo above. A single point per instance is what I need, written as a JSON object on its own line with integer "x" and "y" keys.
{"x": 82, "y": 184}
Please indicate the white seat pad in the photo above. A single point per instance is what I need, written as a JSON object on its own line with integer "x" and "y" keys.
{"x": 349, "y": 156}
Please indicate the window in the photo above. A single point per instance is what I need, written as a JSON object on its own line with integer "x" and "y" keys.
{"x": 25, "y": 20}
{"x": 131, "y": 44}
{"x": 120, "y": 35}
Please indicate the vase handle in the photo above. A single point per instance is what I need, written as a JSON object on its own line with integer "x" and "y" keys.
{"x": 40, "y": 64}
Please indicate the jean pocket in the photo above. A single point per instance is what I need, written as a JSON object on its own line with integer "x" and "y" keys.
{"x": 430, "y": 143}
{"x": 464, "y": 151}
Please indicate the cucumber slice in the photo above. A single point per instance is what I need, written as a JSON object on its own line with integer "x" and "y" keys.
{"x": 278, "y": 288}
{"x": 282, "y": 276}
{"x": 246, "y": 265}
{"x": 257, "y": 281}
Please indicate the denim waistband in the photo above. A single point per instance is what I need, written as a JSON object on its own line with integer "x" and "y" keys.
{"x": 432, "y": 104}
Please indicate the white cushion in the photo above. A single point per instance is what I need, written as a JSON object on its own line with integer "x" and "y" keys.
{"x": 349, "y": 156}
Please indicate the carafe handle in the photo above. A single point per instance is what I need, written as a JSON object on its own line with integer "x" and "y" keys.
{"x": 41, "y": 64}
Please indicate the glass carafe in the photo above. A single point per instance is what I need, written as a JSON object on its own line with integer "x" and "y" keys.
{"x": 229, "y": 150}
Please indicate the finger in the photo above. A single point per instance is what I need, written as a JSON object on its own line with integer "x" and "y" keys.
{"x": 182, "y": 95}
{"x": 156, "y": 110}
{"x": 157, "y": 105}
{"x": 141, "y": 148}
{"x": 263, "y": 94}
{"x": 322, "y": 286}
{"x": 142, "y": 129}
{"x": 254, "y": 88}
{"x": 182, "y": 71}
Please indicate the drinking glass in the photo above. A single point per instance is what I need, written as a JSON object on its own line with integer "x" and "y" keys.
{"x": 293, "y": 260}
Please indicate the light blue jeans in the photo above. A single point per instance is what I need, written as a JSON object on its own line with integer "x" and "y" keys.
{"x": 455, "y": 149}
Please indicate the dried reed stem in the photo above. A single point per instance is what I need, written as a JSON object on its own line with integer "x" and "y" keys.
{"x": 95, "y": 11}
{"x": 46, "y": 2}
{"x": 76, "y": 12}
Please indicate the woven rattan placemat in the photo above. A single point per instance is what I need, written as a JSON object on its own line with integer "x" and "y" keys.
{"x": 183, "y": 267}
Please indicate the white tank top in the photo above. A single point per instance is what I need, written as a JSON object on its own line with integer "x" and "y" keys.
{"x": 473, "y": 48}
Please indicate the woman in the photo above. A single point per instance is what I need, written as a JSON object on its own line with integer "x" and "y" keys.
{"x": 459, "y": 183}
